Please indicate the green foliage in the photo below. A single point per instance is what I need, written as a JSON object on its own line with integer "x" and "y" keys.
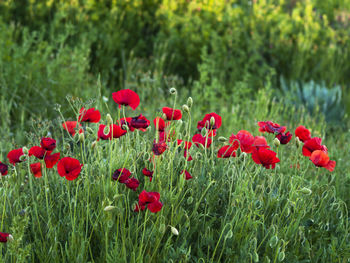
{"x": 316, "y": 98}
{"x": 232, "y": 210}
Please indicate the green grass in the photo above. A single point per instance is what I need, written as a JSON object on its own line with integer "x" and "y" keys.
{"x": 233, "y": 210}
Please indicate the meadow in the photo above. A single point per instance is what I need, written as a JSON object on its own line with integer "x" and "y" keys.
{"x": 187, "y": 131}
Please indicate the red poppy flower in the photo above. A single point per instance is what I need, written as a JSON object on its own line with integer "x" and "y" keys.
{"x": 149, "y": 199}
{"x": 51, "y": 159}
{"x": 284, "y": 138}
{"x": 302, "y": 133}
{"x": 321, "y": 159}
{"x": 172, "y": 114}
{"x": 148, "y": 173}
{"x": 139, "y": 122}
{"x": 260, "y": 142}
{"x": 3, "y": 168}
{"x": 4, "y": 237}
{"x": 198, "y": 139}
{"x": 187, "y": 145}
{"x": 206, "y": 123}
{"x": 69, "y": 167}
{"x": 48, "y": 144}
{"x": 38, "y": 152}
{"x": 35, "y": 168}
{"x": 244, "y": 140}
{"x": 126, "y": 97}
{"x": 187, "y": 175}
{"x": 265, "y": 157}
{"x": 15, "y": 155}
{"x": 188, "y": 156}
{"x": 159, "y": 148}
{"x": 132, "y": 183}
{"x": 160, "y": 124}
{"x": 312, "y": 145}
{"x": 121, "y": 175}
{"x": 270, "y": 127}
{"x": 117, "y": 132}
{"x": 125, "y": 121}
{"x": 70, "y": 127}
{"x": 90, "y": 115}
{"x": 227, "y": 151}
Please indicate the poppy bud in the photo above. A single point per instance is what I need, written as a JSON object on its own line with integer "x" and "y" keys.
{"x": 190, "y": 200}
{"x": 146, "y": 156}
{"x": 204, "y": 132}
{"x": 185, "y": 108}
{"x": 198, "y": 155}
{"x": 297, "y": 142}
{"x": 229, "y": 234}
{"x": 164, "y": 117}
{"x": 243, "y": 155}
{"x": 173, "y": 91}
{"x": 10, "y": 238}
{"x": 212, "y": 121}
{"x": 276, "y": 142}
{"x": 93, "y": 145}
{"x": 109, "y": 119}
{"x": 109, "y": 208}
{"x": 89, "y": 130}
{"x": 162, "y": 228}
{"x": 25, "y": 150}
{"x": 106, "y": 130}
{"x": 306, "y": 191}
{"x": 81, "y": 137}
{"x": 222, "y": 139}
{"x": 174, "y": 231}
{"x": 125, "y": 127}
{"x": 189, "y": 102}
{"x": 22, "y": 158}
{"x": 66, "y": 146}
{"x": 201, "y": 146}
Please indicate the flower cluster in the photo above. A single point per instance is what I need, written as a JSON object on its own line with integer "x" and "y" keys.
{"x": 203, "y": 138}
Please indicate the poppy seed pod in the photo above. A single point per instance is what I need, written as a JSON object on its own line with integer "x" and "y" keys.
{"x": 185, "y": 108}
{"x": 173, "y": 91}
{"x": 189, "y": 102}
{"x": 276, "y": 142}
{"x": 109, "y": 119}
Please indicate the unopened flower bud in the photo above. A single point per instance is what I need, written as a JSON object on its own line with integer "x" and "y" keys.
{"x": 106, "y": 130}
{"x": 66, "y": 145}
{"x": 93, "y": 144}
{"x": 109, "y": 119}
{"x": 204, "y": 132}
{"x": 89, "y": 130}
{"x": 222, "y": 139}
{"x": 201, "y": 146}
{"x": 297, "y": 142}
{"x": 125, "y": 127}
{"x": 22, "y": 158}
{"x": 25, "y": 150}
{"x": 81, "y": 137}
{"x": 174, "y": 231}
{"x": 189, "y": 102}
{"x": 276, "y": 142}
{"x": 185, "y": 108}
{"x": 212, "y": 121}
{"x": 164, "y": 117}
{"x": 306, "y": 191}
{"x": 10, "y": 238}
{"x": 173, "y": 91}
{"x": 109, "y": 208}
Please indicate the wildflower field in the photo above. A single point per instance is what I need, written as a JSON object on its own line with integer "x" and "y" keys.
{"x": 111, "y": 152}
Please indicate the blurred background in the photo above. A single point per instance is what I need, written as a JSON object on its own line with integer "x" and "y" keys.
{"x": 219, "y": 52}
